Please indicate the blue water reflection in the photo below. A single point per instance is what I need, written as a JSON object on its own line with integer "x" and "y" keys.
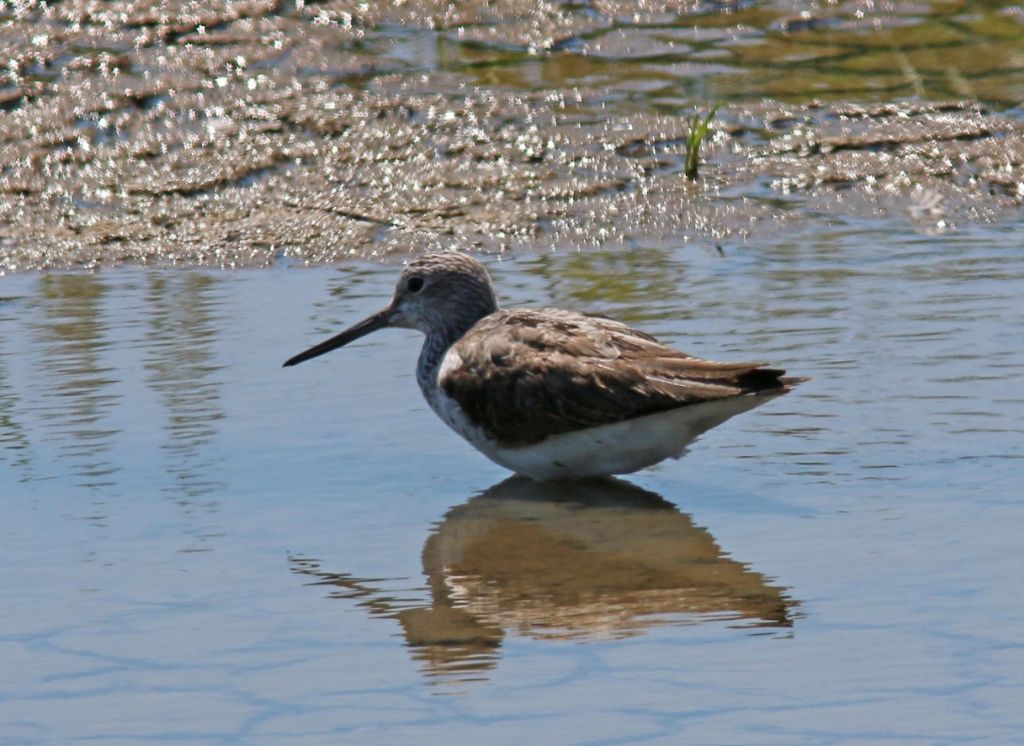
{"x": 841, "y": 561}
{"x": 586, "y": 560}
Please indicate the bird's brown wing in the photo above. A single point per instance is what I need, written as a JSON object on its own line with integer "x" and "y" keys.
{"x": 525, "y": 375}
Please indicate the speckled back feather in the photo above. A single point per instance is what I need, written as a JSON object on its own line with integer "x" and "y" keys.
{"x": 524, "y": 375}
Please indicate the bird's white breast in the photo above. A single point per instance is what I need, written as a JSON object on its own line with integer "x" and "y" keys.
{"x": 445, "y": 406}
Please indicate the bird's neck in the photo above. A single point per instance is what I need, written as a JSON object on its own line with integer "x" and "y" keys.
{"x": 438, "y": 341}
{"x": 435, "y": 346}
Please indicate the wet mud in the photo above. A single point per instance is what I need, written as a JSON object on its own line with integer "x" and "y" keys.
{"x": 238, "y": 133}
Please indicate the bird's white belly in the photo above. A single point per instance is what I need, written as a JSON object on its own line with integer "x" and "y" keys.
{"x": 618, "y": 448}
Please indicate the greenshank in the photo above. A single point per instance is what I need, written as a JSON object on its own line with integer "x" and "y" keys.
{"x": 551, "y": 393}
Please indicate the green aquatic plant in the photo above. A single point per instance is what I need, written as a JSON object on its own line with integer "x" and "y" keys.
{"x": 698, "y": 131}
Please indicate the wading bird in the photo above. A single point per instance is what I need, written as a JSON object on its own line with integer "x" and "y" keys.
{"x": 552, "y": 393}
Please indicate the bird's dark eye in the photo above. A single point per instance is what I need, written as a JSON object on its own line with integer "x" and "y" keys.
{"x": 415, "y": 284}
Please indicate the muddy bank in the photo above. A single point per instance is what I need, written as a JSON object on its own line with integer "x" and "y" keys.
{"x": 236, "y": 133}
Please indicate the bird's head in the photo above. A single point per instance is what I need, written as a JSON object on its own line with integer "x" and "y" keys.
{"x": 441, "y": 293}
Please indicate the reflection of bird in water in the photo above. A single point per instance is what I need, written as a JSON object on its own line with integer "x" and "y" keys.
{"x": 589, "y": 559}
{"x": 551, "y": 393}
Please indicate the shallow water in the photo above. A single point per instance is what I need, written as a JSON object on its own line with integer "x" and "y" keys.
{"x": 228, "y": 133}
{"x": 200, "y": 546}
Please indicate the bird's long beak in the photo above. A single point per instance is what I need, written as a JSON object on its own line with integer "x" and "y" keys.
{"x": 379, "y": 320}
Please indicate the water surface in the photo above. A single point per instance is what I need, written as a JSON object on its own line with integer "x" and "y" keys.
{"x": 202, "y": 547}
